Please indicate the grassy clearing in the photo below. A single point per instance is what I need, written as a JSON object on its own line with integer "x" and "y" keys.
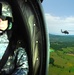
{"x": 63, "y": 63}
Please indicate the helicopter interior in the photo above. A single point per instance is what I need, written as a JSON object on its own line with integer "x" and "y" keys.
{"x": 29, "y": 26}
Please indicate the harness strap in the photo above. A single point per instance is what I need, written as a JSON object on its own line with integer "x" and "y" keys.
{"x": 5, "y": 57}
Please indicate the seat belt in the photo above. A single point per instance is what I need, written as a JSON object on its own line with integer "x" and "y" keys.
{"x": 5, "y": 57}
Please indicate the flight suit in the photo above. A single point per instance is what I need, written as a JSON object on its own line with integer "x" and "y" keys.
{"x": 17, "y": 63}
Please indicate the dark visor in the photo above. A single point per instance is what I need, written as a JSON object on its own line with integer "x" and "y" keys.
{"x": 5, "y": 18}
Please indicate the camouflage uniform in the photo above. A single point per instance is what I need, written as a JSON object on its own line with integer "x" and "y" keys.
{"x": 19, "y": 58}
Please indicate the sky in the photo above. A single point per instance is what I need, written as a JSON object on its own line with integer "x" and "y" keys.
{"x": 59, "y": 14}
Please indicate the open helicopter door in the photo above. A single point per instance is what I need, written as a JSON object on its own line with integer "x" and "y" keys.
{"x": 30, "y": 25}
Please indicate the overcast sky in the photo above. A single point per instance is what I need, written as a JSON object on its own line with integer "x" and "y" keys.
{"x": 59, "y": 14}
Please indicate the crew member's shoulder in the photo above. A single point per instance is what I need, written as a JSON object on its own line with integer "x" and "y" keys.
{"x": 20, "y": 50}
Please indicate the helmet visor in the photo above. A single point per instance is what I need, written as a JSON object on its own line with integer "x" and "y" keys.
{"x": 5, "y": 18}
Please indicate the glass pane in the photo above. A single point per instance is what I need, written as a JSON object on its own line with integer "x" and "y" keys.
{"x": 60, "y": 22}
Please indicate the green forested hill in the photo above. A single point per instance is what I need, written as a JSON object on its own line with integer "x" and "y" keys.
{"x": 61, "y": 38}
{"x": 58, "y": 42}
{"x": 62, "y": 55}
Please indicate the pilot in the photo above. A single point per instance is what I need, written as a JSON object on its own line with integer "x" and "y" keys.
{"x": 17, "y": 62}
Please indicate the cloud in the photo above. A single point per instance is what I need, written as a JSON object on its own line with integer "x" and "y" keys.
{"x": 56, "y": 23}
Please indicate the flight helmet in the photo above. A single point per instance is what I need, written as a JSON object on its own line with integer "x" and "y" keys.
{"x": 6, "y": 13}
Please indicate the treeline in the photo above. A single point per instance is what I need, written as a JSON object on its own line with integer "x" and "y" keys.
{"x": 56, "y": 38}
{"x": 60, "y": 45}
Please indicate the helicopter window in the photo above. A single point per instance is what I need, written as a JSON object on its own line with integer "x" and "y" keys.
{"x": 61, "y": 34}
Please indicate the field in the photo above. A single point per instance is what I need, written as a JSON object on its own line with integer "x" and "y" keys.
{"x": 61, "y": 55}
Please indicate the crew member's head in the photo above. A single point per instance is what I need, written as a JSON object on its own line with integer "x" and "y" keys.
{"x": 5, "y": 17}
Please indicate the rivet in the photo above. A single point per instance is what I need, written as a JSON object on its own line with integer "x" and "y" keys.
{"x": 37, "y": 59}
{"x": 34, "y": 24}
{"x": 36, "y": 41}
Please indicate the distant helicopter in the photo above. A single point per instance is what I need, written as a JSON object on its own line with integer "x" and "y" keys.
{"x": 65, "y": 32}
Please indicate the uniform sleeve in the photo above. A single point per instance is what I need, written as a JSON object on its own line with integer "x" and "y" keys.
{"x": 22, "y": 66}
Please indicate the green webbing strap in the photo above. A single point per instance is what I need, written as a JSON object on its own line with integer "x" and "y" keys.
{"x": 5, "y": 57}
